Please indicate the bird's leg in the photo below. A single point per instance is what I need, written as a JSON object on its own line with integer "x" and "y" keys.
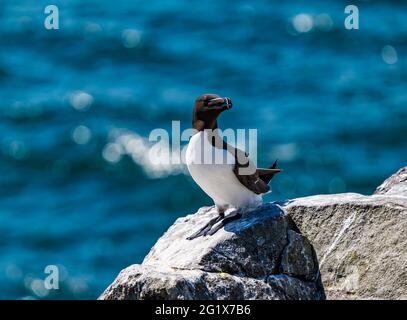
{"x": 231, "y": 216}
{"x": 204, "y": 230}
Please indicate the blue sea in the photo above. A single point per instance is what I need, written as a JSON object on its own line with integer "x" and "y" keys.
{"x": 77, "y": 106}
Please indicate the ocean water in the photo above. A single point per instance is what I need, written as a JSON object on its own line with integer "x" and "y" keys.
{"x": 77, "y": 106}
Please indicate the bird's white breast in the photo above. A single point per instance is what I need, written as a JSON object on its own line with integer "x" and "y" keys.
{"x": 212, "y": 169}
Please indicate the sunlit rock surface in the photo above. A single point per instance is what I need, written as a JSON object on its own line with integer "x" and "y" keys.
{"x": 361, "y": 241}
{"x": 396, "y": 184}
{"x": 261, "y": 256}
{"x": 360, "y": 252}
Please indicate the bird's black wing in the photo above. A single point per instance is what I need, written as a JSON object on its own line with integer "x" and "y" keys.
{"x": 254, "y": 179}
{"x": 257, "y": 181}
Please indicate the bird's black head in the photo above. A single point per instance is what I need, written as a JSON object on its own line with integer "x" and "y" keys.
{"x": 207, "y": 108}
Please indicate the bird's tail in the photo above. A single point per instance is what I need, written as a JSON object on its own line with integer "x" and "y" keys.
{"x": 267, "y": 174}
{"x": 274, "y": 165}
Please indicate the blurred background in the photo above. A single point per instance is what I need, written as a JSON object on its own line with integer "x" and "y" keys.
{"x": 77, "y": 105}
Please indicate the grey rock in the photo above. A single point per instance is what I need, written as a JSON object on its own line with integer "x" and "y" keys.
{"x": 139, "y": 282}
{"x": 295, "y": 259}
{"x": 396, "y": 184}
{"x": 271, "y": 253}
{"x": 260, "y": 256}
{"x": 361, "y": 241}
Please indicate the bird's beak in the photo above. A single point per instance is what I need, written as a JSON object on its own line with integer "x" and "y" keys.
{"x": 220, "y": 104}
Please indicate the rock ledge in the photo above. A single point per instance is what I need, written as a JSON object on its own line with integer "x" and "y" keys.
{"x": 360, "y": 241}
{"x": 260, "y": 256}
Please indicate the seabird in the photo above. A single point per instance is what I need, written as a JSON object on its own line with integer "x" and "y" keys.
{"x": 223, "y": 172}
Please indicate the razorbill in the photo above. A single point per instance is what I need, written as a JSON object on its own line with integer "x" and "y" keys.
{"x": 223, "y": 172}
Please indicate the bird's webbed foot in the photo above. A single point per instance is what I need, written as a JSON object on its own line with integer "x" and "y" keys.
{"x": 216, "y": 223}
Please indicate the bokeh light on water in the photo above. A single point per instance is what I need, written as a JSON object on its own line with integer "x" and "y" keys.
{"x": 77, "y": 188}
